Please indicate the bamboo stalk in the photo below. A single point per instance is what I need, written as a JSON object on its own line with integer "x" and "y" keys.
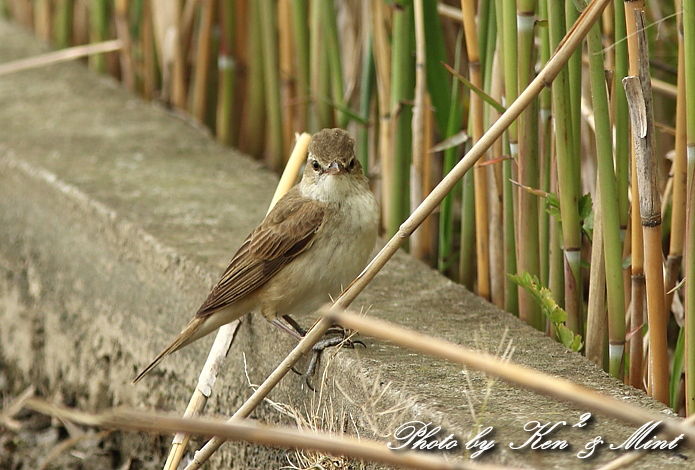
{"x": 382, "y": 62}
{"x": 42, "y": 19}
{"x": 226, "y": 65}
{"x": 689, "y": 52}
{"x": 330, "y": 30}
{"x": 419, "y": 246}
{"x": 680, "y": 178}
{"x": 529, "y": 260}
{"x": 642, "y": 117}
{"x": 149, "y": 63}
{"x": 300, "y": 41}
{"x": 62, "y": 23}
{"x": 252, "y": 135}
{"x": 98, "y": 31}
{"x": 203, "y": 58}
{"x": 288, "y": 85}
{"x": 590, "y": 15}
{"x": 639, "y": 103}
{"x": 320, "y": 72}
{"x": 479, "y": 173}
{"x": 121, "y": 10}
{"x": 511, "y": 85}
{"x": 567, "y": 169}
{"x": 596, "y": 312}
{"x": 402, "y": 76}
{"x": 268, "y": 23}
{"x": 611, "y": 241}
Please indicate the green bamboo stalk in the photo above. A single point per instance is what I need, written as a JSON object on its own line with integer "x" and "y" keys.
{"x": 272, "y": 83}
{"x": 621, "y": 119}
{"x": 62, "y": 23}
{"x": 367, "y": 82}
{"x": 611, "y": 242}
{"x": 320, "y": 73}
{"x": 453, "y": 125}
{"x": 402, "y": 74}
{"x": 509, "y": 41}
{"x": 98, "y": 32}
{"x": 332, "y": 41}
{"x": 529, "y": 170}
{"x": 226, "y": 65}
{"x": 300, "y": 32}
{"x": 574, "y": 74}
{"x": 567, "y": 167}
{"x": 689, "y": 51}
{"x": 546, "y": 147}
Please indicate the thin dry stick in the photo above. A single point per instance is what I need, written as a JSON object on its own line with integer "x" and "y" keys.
{"x": 63, "y": 55}
{"x": 250, "y": 431}
{"x": 525, "y": 377}
{"x": 225, "y": 335}
{"x": 567, "y": 46}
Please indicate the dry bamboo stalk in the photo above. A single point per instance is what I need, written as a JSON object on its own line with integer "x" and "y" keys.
{"x": 122, "y": 8}
{"x": 225, "y": 335}
{"x": 287, "y": 82}
{"x": 479, "y": 173}
{"x": 639, "y": 93}
{"x": 251, "y": 431}
{"x": 418, "y": 245}
{"x": 638, "y": 284}
{"x": 202, "y": 61}
{"x": 565, "y": 49}
{"x": 531, "y": 379}
{"x": 63, "y": 55}
{"x": 149, "y": 65}
{"x": 382, "y": 61}
{"x": 42, "y": 19}
{"x": 596, "y": 322}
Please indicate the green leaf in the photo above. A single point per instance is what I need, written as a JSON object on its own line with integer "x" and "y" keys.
{"x": 485, "y": 97}
{"x": 678, "y": 364}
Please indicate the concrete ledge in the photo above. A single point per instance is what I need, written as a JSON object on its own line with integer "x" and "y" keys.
{"x": 116, "y": 217}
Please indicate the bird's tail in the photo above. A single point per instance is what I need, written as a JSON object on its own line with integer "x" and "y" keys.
{"x": 186, "y": 336}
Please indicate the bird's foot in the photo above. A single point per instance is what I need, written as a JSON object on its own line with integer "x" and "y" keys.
{"x": 344, "y": 339}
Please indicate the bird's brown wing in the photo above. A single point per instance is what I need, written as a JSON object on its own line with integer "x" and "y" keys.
{"x": 287, "y": 231}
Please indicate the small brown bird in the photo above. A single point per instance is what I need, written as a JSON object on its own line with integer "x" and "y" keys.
{"x": 315, "y": 240}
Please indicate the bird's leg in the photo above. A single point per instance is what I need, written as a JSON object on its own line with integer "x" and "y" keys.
{"x": 293, "y": 323}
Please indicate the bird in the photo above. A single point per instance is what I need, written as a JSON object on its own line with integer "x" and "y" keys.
{"x": 314, "y": 242}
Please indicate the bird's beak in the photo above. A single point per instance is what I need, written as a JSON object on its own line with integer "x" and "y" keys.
{"x": 335, "y": 168}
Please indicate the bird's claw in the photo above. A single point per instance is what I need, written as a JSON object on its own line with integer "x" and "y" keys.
{"x": 321, "y": 345}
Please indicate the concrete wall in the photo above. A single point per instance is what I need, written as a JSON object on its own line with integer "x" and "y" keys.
{"x": 116, "y": 217}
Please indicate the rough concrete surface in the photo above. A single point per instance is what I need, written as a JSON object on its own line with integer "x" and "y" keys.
{"x": 115, "y": 219}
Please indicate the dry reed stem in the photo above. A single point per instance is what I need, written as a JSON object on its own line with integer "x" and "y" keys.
{"x": 250, "y": 431}
{"x": 531, "y": 379}
{"x": 565, "y": 49}
{"x": 63, "y": 55}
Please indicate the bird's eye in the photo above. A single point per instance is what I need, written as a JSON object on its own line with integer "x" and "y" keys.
{"x": 351, "y": 165}
{"x": 316, "y": 165}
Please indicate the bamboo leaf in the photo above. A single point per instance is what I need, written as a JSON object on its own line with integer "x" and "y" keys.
{"x": 485, "y": 97}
